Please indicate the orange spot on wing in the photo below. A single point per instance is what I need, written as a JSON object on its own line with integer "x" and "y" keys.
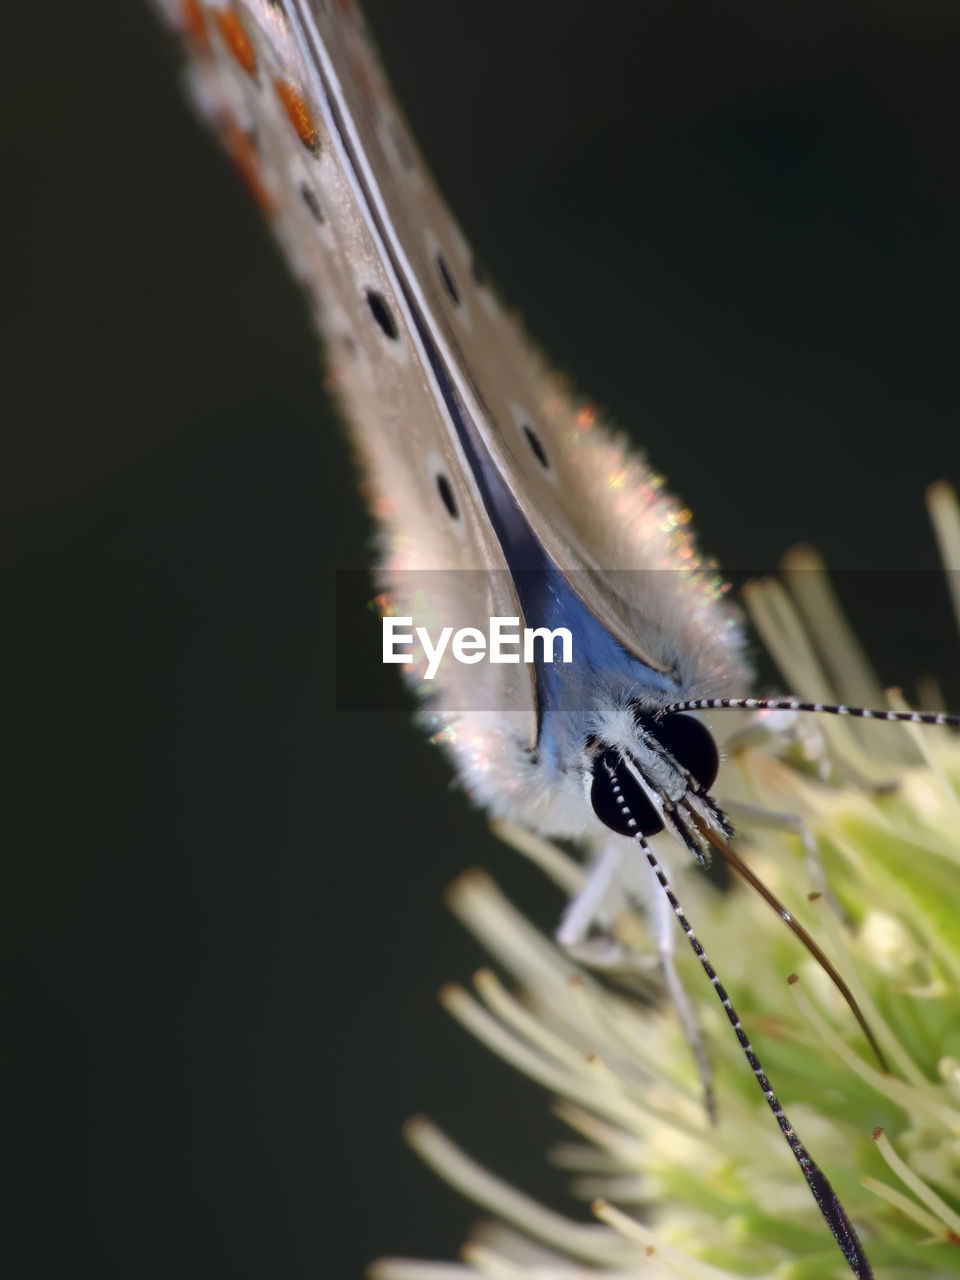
{"x": 193, "y": 24}
{"x": 236, "y": 39}
{"x": 298, "y": 113}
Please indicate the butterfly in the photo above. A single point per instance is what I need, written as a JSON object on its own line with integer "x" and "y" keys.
{"x": 496, "y": 495}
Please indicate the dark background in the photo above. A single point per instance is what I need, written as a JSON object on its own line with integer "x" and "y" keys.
{"x": 222, "y": 900}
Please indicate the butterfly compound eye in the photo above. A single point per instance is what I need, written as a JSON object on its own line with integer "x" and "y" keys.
{"x": 618, "y": 799}
{"x": 691, "y": 745}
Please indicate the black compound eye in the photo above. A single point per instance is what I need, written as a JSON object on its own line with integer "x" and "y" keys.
{"x": 690, "y": 744}
{"x": 617, "y": 798}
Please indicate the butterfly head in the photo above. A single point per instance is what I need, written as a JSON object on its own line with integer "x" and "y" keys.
{"x": 646, "y": 773}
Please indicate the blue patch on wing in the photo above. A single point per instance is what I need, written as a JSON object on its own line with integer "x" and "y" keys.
{"x": 546, "y": 598}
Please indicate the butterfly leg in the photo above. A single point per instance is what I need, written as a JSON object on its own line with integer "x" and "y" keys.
{"x": 595, "y": 907}
{"x": 598, "y": 895}
{"x": 790, "y": 731}
{"x": 619, "y": 879}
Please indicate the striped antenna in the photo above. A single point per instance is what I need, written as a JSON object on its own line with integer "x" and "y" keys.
{"x": 825, "y": 708}
{"x": 823, "y": 1193}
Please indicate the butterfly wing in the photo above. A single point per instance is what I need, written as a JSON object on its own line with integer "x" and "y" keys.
{"x": 255, "y": 78}
{"x": 433, "y": 374}
{"x": 599, "y": 512}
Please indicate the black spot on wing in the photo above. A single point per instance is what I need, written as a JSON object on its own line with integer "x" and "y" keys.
{"x": 382, "y": 314}
{"x": 448, "y": 281}
{"x": 309, "y": 197}
{"x": 446, "y": 496}
{"x": 538, "y": 450}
